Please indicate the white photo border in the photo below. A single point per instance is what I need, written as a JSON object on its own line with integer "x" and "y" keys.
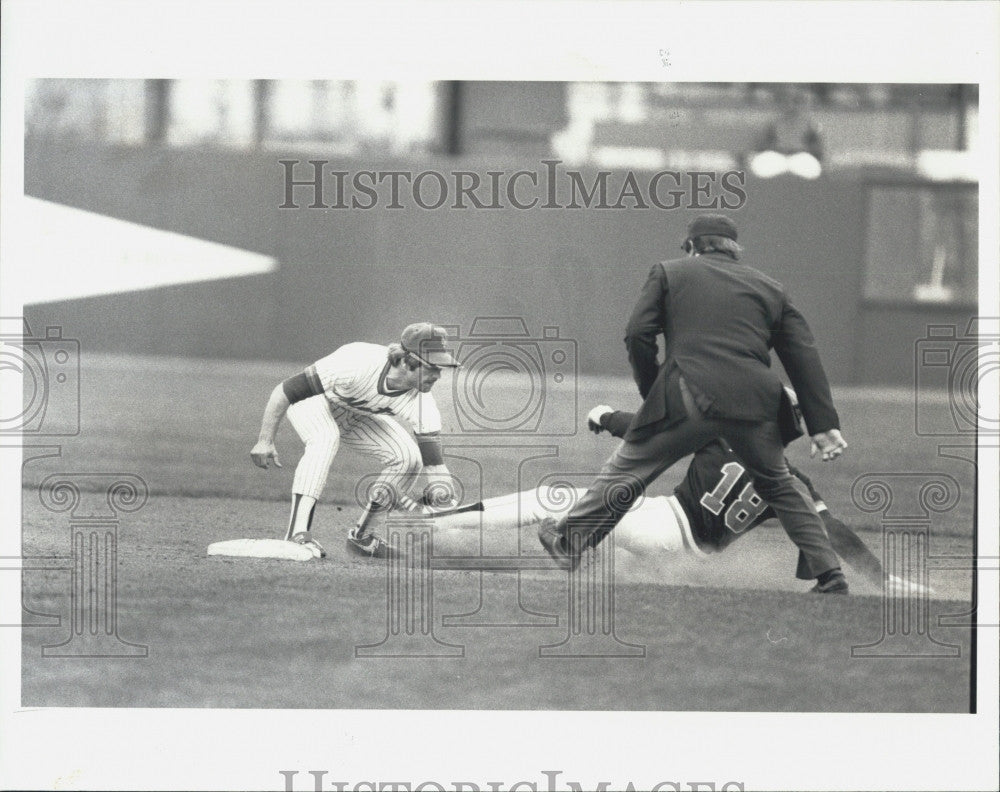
{"x": 558, "y": 40}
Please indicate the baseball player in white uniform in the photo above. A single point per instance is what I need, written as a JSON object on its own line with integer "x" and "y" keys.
{"x": 358, "y": 395}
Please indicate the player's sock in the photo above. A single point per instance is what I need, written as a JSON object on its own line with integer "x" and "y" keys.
{"x": 368, "y": 516}
{"x": 300, "y": 519}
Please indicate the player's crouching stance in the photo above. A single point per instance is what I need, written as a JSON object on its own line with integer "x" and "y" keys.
{"x": 347, "y": 397}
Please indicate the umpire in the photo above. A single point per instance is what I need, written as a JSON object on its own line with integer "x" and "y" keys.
{"x": 719, "y": 319}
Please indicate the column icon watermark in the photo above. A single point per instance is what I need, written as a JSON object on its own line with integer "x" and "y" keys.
{"x": 94, "y": 503}
{"x": 906, "y": 502}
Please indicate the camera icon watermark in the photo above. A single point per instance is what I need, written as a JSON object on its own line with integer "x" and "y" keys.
{"x": 958, "y": 364}
{"x": 49, "y": 368}
{"x": 511, "y": 383}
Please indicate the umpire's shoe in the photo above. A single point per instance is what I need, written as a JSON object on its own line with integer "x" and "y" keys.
{"x": 554, "y": 542}
{"x": 368, "y": 545}
{"x": 834, "y": 583}
{"x": 306, "y": 540}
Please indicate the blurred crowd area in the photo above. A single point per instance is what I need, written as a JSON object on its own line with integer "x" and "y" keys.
{"x": 842, "y": 127}
{"x": 341, "y": 116}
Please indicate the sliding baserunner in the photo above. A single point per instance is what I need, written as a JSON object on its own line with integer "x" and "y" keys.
{"x": 708, "y": 511}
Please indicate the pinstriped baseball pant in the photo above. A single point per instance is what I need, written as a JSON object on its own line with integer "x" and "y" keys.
{"x": 323, "y": 426}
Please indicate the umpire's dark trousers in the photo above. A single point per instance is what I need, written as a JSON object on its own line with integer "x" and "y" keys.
{"x": 635, "y": 465}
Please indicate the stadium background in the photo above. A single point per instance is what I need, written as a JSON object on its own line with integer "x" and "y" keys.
{"x": 880, "y": 245}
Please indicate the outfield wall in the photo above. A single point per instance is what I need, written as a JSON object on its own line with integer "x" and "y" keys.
{"x": 362, "y": 274}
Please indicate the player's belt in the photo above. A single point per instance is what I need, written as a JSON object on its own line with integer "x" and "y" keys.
{"x": 351, "y": 405}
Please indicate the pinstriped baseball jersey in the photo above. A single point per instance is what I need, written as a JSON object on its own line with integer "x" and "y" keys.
{"x": 353, "y": 377}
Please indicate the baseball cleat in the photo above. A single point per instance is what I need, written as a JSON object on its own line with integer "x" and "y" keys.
{"x": 554, "y": 542}
{"x": 368, "y": 545}
{"x": 837, "y": 584}
{"x": 306, "y": 540}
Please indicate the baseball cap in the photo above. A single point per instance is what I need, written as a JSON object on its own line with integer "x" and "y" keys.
{"x": 711, "y": 224}
{"x": 426, "y": 341}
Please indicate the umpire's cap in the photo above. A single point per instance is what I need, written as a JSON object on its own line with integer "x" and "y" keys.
{"x": 426, "y": 341}
{"x": 711, "y": 225}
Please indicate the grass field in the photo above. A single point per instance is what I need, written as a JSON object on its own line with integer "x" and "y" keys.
{"x": 732, "y": 633}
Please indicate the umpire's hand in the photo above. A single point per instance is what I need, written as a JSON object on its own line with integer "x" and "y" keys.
{"x": 595, "y": 415}
{"x": 830, "y": 443}
{"x": 263, "y": 453}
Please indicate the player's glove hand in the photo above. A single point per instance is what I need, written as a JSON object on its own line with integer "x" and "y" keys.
{"x": 594, "y": 417}
{"x": 263, "y": 453}
{"x": 440, "y": 492}
{"x": 830, "y": 443}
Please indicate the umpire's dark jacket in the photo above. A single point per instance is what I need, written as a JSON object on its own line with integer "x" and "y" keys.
{"x": 720, "y": 319}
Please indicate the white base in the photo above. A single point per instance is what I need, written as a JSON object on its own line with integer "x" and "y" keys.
{"x": 261, "y": 548}
{"x": 902, "y": 586}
